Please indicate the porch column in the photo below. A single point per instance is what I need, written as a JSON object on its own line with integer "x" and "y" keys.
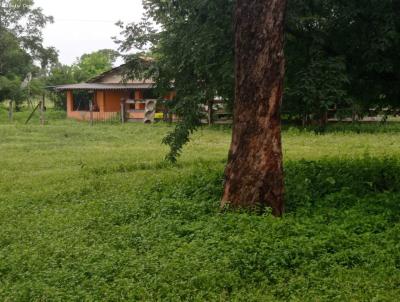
{"x": 138, "y": 95}
{"x": 70, "y": 102}
{"x": 101, "y": 100}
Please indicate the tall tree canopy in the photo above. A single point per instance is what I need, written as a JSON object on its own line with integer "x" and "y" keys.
{"x": 24, "y": 21}
{"x": 92, "y": 64}
{"x": 21, "y": 46}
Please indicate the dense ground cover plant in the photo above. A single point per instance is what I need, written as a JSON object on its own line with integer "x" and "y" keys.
{"x": 94, "y": 213}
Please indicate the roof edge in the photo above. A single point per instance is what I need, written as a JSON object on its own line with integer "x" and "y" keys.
{"x": 100, "y": 76}
{"x": 102, "y": 86}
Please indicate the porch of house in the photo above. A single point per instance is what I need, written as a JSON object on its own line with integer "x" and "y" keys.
{"x": 106, "y": 104}
{"x": 91, "y": 101}
{"x": 132, "y": 102}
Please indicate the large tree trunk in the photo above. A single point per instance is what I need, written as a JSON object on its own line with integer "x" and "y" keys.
{"x": 254, "y": 174}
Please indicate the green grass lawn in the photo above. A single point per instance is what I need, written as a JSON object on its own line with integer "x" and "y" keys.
{"x": 95, "y": 214}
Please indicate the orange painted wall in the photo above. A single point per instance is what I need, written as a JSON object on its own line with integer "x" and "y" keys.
{"x": 70, "y": 103}
{"x": 100, "y": 99}
{"x": 78, "y": 115}
{"x": 85, "y": 115}
{"x": 138, "y": 95}
{"x": 136, "y": 115}
{"x": 97, "y": 116}
{"x": 107, "y": 101}
{"x": 113, "y": 100}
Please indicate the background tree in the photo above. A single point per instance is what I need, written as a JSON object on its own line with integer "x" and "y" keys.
{"x": 25, "y": 22}
{"x": 322, "y": 85}
{"x": 362, "y": 37}
{"x": 93, "y": 64}
{"x": 10, "y": 89}
{"x": 59, "y": 75}
{"x": 21, "y": 46}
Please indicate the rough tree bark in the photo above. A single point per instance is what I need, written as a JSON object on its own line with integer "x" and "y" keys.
{"x": 254, "y": 174}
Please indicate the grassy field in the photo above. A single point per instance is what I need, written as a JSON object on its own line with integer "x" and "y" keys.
{"x": 95, "y": 214}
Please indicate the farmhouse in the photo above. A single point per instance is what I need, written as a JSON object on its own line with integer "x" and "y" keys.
{"x": 108, "y": 95}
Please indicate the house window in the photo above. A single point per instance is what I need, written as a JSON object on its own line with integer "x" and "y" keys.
{"x": 149, "y": 94}
{"x": 82, "y": 100}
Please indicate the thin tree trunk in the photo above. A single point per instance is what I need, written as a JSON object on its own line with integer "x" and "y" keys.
{"x": 254, "y": 174}
{"x": 324, "y": 118}
{"x": 10, "y": 111}
{"x": 304, "y": 120}
{"x": 210, "y": 112}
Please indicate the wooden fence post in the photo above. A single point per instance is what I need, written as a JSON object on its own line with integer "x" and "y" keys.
{"x": 122, "y": 111}
{"x": 42, "y": 111}
{"x": 91, "y": 112}
{"x": 10, "y": 111}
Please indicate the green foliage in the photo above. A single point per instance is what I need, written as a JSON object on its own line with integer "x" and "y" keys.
{"x": 13, "y": 59}
{"x": 94, "y": 64}
{"x": 339, "y": 54}
{"x": 365, "y": 34}
{"x": 21, "y": 45}
{"x": 94, "y": 213}
{"x": 318, "y": 88}
{"x": 180, "y": 136}
{"x": 10, "y": 88}
{"x": 86, "y": 67}
{"x": 15, "y": 63}
{"x": 193, "y": 53}
{"x": 25, "y": 22}
{"x": 20, "y": 116}
{"x": 60, "y": 75}
{"x": 311, "y": 181}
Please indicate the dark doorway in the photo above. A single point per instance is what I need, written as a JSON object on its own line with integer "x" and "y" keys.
{"x": 82, "y": 100}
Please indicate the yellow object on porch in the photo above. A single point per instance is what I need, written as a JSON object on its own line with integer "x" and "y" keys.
{"x": 159, "y": 116}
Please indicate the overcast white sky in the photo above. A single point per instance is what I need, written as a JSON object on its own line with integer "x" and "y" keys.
{"x": 83, "y": 26}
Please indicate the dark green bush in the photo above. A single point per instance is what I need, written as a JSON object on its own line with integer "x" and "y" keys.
{"x": 307, "y": 182}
